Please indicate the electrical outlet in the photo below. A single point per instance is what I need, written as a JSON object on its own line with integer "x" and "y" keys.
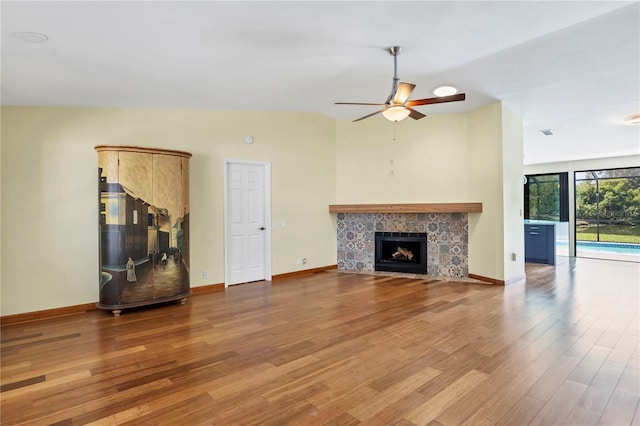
{"x": 205, "y": 274}
{"x": 304, "y": 260}
{"x": 298, "y": 261}
{"x": 514, "y": 256}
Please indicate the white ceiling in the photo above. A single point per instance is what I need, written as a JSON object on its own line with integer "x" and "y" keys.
{"x": 571, "y": 66}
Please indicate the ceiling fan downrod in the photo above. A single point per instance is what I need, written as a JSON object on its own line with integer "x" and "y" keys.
{"x": 394, "y": 51}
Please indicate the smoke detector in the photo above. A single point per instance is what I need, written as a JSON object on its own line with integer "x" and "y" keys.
{"x": 31, "y": 37}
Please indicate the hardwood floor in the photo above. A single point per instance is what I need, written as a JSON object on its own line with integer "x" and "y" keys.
{"x": 344, "y": 349}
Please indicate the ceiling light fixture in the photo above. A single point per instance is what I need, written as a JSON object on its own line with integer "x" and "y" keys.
{"x": 632, "y": 119}
{"x": 31, "y": 37}
{"x": 445, "y": 91}
{"x": 396, "y": 113}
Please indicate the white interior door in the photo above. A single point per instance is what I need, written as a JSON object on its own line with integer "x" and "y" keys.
{"x": 247, "y": 235}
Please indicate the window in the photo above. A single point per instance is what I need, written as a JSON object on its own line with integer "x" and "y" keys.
{"x": 608, "y": 205}
{"x": 546, "y": 197}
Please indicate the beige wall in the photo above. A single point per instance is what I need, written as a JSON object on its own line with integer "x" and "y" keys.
{"x": 444, "y": 158}
{"x": 513, "y": 194}
{"x": 426, "y": 163}
{"x": 50, "y": 191}
{"x": 486, "y": 234}
{"x": 495, "y": 151}
{"x": 49, "y": 183}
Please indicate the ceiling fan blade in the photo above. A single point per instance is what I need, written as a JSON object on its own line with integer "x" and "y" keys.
{"x": 438, "y": 100}
{"x": 402, "y": 93}
{"x": 357, "y": 103}
{"x": 416, "y": 115}
{"x": 369, "y": 115}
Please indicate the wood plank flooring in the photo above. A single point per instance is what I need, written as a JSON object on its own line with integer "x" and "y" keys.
{"x": 344, "y": 349}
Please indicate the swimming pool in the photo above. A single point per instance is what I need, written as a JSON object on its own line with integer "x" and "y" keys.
{"x": 600, "y": 247}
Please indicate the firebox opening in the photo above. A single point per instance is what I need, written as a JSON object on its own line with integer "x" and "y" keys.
{"x": 401, "y": 252}
{"x": 407, "y": 252}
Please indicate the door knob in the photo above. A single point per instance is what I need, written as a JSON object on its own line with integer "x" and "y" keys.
{"x": 261, "y": 228}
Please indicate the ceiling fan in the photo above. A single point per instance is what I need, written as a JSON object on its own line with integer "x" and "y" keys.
{"x": 398, "y": 106}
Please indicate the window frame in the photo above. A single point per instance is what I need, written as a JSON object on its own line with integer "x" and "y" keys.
{"x": 563, "y": 194}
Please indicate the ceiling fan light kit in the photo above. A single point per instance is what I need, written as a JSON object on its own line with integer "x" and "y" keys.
{"x": 396, "y": 113}
{"x": 398, "y": 106}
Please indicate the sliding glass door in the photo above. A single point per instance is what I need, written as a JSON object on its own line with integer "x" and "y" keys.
{"x": 608, "y": 212}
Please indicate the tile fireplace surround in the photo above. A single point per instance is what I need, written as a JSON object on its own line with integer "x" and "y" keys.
{"x": 447, "y": 239}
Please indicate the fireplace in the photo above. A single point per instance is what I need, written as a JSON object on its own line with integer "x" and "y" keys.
{"x": 447, "y": 239}
{"x": 401, "y": 252}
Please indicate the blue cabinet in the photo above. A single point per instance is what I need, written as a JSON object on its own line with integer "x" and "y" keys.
{"x": 540, "y": 243}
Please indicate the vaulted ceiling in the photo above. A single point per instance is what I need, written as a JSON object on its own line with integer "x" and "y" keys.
{"x": 569, "y": 66}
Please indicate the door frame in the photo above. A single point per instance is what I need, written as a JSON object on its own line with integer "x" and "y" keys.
{"x": 266, "y": 168}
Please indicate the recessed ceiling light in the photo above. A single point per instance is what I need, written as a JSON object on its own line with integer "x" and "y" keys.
{"x": 632, "y": 119}
{"x": 546, "y": 132}
{"x": 31, "y": 37}
{"x": 445, "y": 91}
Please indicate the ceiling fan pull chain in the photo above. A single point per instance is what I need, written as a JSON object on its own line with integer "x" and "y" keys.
{"x": 395, "y": 123}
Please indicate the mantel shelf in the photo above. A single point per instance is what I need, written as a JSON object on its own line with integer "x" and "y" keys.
{"x": 407, "y": 208}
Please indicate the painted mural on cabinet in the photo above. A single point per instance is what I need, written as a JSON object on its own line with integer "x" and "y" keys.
{"x": 144, "y": 226}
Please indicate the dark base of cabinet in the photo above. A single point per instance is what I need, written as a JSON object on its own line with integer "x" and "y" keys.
{"x": 547, "y": 261}
{"x": 116, "y": 310}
